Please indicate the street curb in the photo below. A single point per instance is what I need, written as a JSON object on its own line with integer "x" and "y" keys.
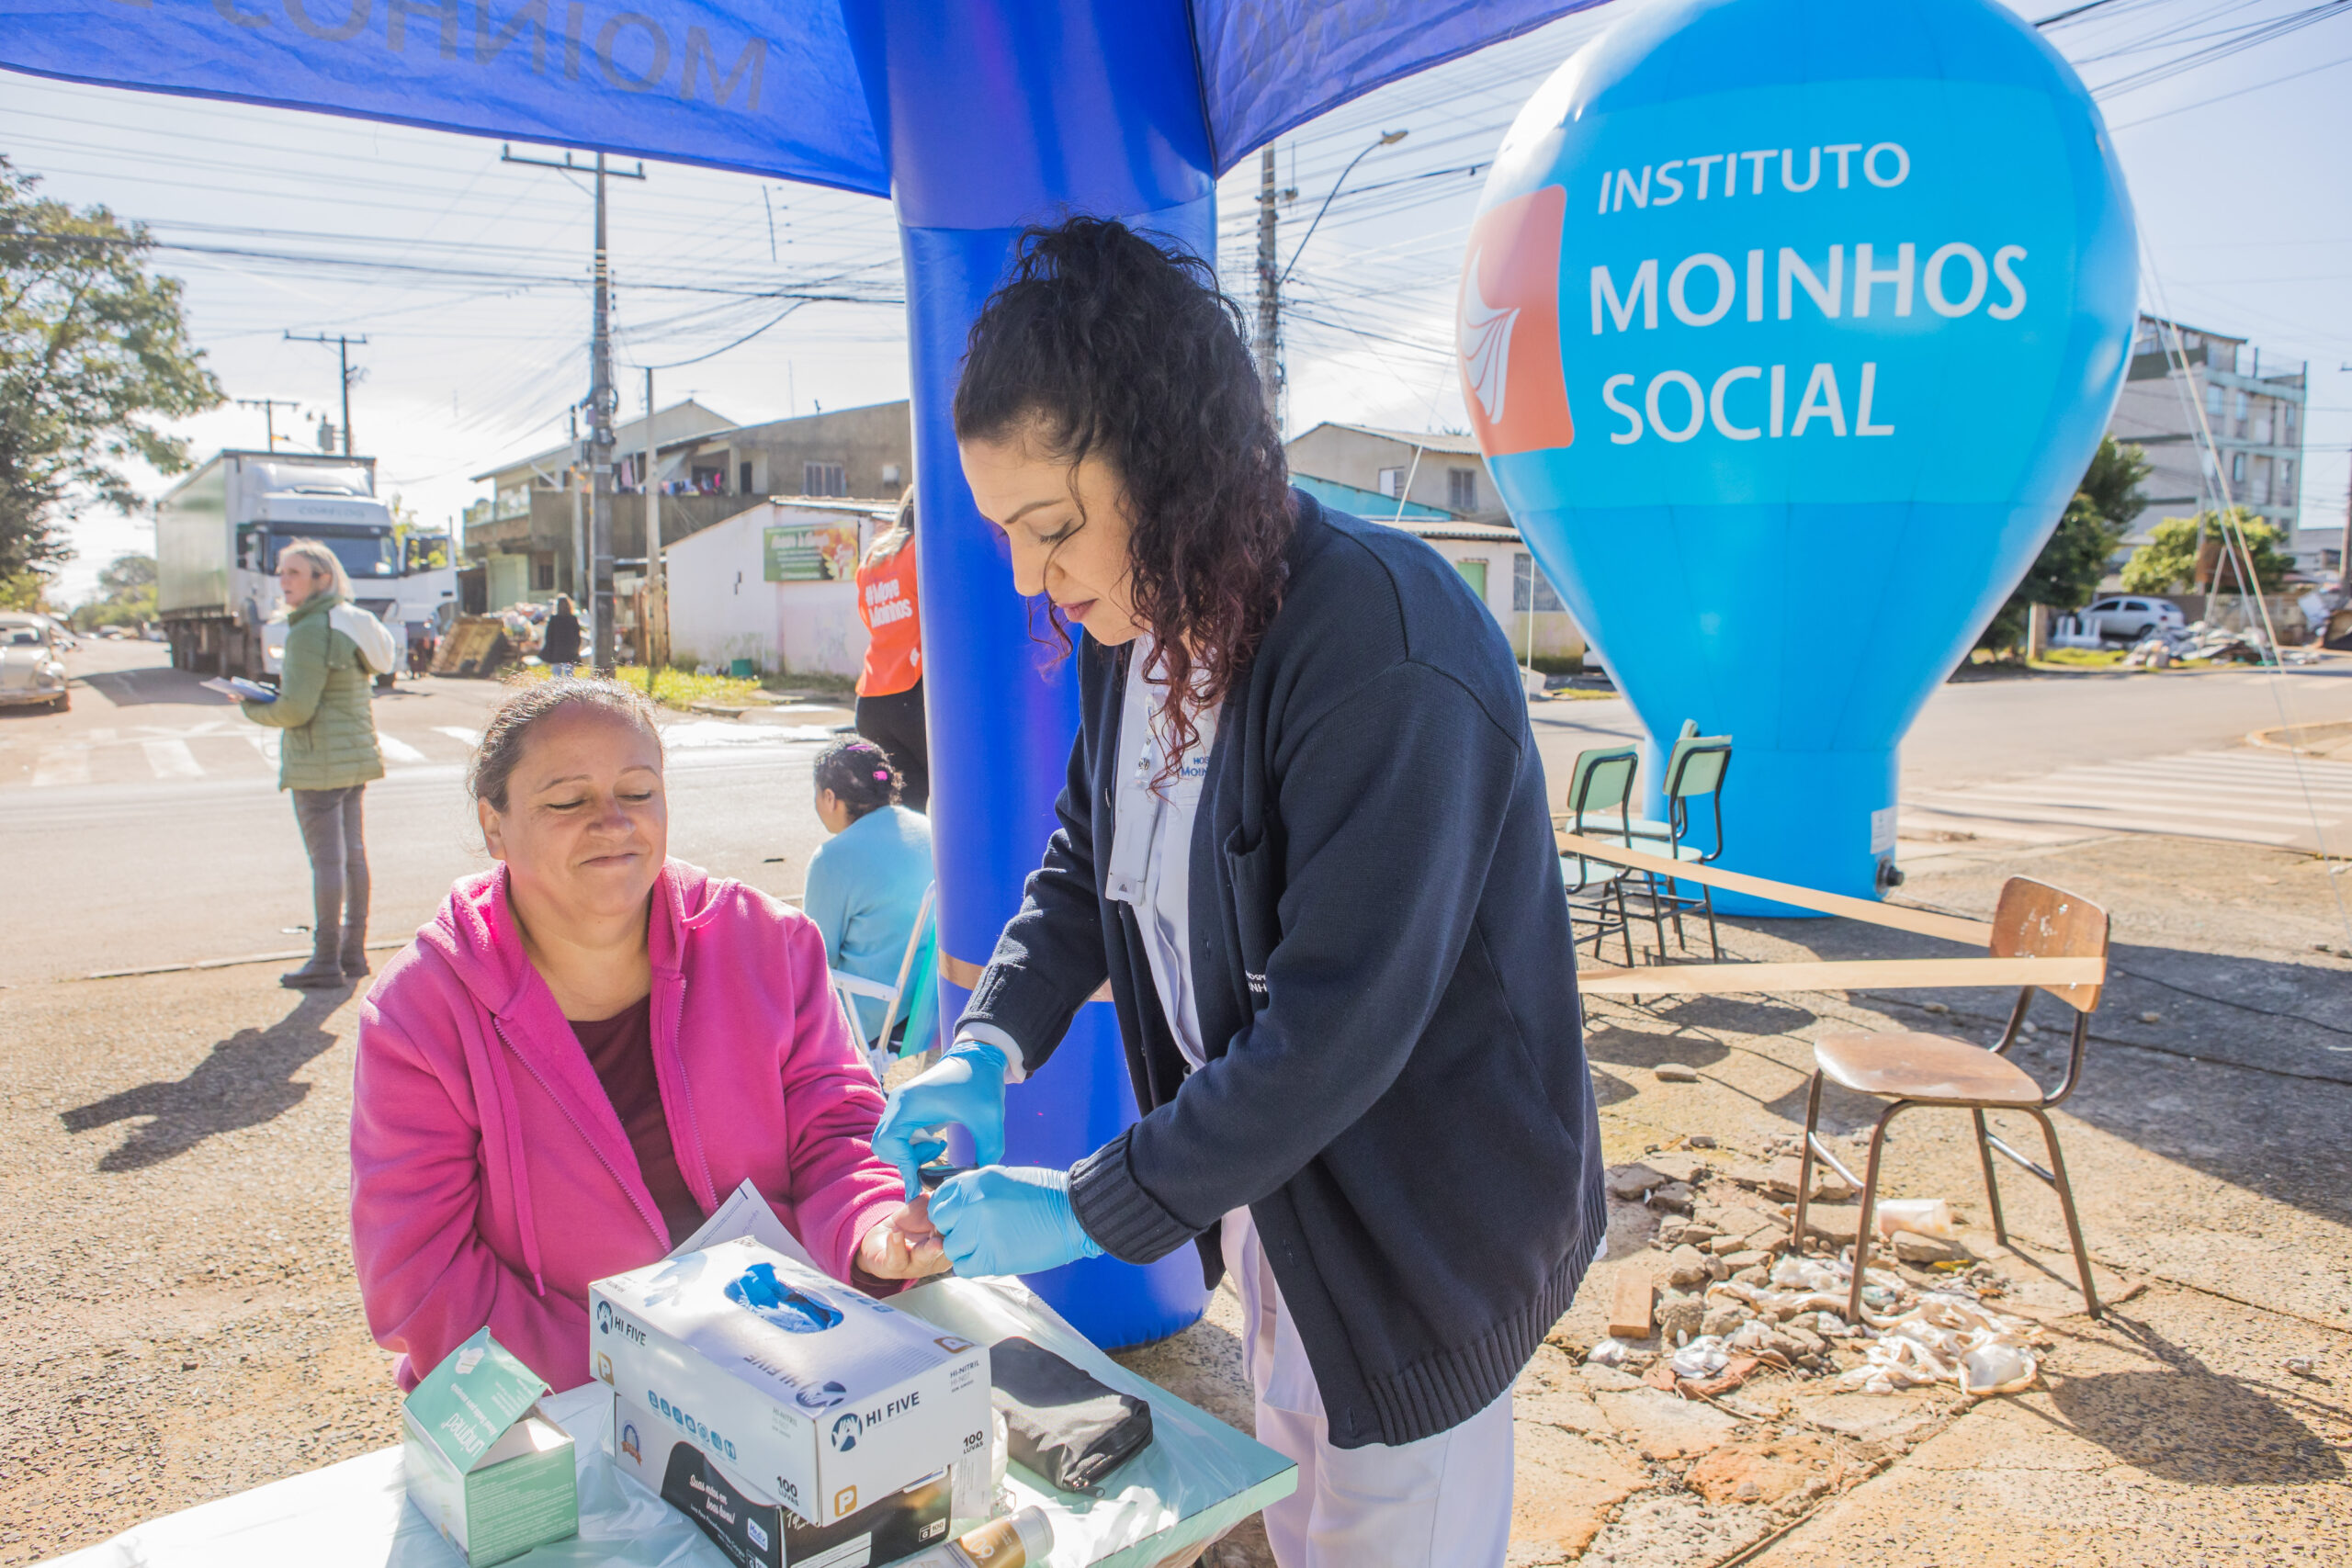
{"x": 385, "y": 946}
{"x": 2299, "y": 737}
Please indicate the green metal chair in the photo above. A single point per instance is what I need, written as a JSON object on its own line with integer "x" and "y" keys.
{"x": 1695, "y": 771}
{"x": 1601, "y": 784}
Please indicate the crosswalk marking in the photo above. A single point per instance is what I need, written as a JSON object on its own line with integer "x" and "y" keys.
{"x": 67, "y": 762}
{"x": 172, "y": 759}
{"x": 2244, "y": 796}
{"x": 149, "y": 753}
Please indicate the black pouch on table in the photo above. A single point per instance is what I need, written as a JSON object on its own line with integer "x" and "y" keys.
{"x": 1066, "y": 1424}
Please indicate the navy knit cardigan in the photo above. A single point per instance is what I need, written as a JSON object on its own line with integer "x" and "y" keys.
{"x": 1396, "y": 1085}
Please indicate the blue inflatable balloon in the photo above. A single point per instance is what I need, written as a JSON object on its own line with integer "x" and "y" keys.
{"x": 1788, "y": 328}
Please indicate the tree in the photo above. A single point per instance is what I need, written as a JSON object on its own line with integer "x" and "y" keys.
{"x": 127, "y": 575}
{"x": 126, "y": 594}
{"x": 2066, "y": 574}
{"x": 91, "y": 344}
{"x": 2186, "y": 553}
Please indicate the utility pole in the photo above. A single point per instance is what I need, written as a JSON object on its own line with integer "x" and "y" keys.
{"x": 1271, "y": 281}
{"x": 270, "y": 407}
{"x": 343, "y": 364}
{"x": 656, "y": 603}
{"x": 1270, "y": 323}
{"x": 601, "y": 400}
{"x": 2344, "y": 555}
{"x": 582, "y": 597}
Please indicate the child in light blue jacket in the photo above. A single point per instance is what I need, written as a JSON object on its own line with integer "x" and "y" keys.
{"x": 867, "y": 884}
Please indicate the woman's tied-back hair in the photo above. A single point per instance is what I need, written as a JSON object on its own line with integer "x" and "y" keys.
{"x": 898, "y": 536}
{"x": 1103, "y": 343}
{"x": 509, "y": 730}
{"x": 860, "y": 776}
{"x": 322, "y": 562}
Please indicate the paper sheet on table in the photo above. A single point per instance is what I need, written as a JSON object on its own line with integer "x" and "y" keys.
{"x": 1198, "y": 1478}
{"x": 746, "y": 1213}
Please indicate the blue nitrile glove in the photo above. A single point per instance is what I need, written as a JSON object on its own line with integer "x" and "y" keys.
{"x": 966, "y": 1087}
{"x": 1010, "y": 1219}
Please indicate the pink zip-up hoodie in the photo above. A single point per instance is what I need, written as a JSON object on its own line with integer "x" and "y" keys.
{"x": 491, "y": 1179}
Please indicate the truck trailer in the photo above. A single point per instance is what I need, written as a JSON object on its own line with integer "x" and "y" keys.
{"x": 217, "y": 533}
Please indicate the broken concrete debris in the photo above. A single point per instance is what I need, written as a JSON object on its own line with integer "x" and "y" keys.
{"x": 1729, "y": 1297}
{"x": 1912, "y": 1248}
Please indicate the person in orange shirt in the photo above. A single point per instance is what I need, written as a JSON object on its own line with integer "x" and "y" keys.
{"x": 889, "y": 689}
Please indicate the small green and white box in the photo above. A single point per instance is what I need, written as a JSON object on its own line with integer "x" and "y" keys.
{"x": 490, "y": 1474}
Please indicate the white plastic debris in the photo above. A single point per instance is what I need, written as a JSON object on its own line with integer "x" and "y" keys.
{"x": 1920, "y": 1216}
{"x": 1609, "y": 1353}
{"x": 1702, "y": 1358}
{"x": 1948, "y": 1339}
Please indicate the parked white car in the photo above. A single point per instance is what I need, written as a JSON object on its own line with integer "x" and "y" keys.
{"x": 2128, "y": 617}
{"x": 31, "y": 670}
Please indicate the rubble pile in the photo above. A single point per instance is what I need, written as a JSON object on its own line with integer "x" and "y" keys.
{"x": 1727, "y": 1296}
{"x": 2165, "y": 647}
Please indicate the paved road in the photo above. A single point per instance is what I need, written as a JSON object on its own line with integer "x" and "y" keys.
{"x": 2051, "y": 758}
{"x": 146, "y": 825}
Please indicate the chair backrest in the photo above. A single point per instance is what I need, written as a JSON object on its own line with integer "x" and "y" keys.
{"x": 918, "y": 970}
{"x": 910, "y": 995}
{"x": 1697, "y": 766}
{"x": 1602, "y": 780}
{"x": 2036, "y": 920}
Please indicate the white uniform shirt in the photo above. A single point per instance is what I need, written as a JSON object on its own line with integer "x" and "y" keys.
{"x": 1151, "y": 843}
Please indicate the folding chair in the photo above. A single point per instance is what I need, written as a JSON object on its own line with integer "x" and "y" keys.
{"x": 1600, "y": 781}
{"x": 915, "y": 986}
{"x": 2034, "y": 921}
{"x": 1695, "y": 770}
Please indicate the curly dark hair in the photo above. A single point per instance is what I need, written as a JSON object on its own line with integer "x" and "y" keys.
{"x": 1103, "y": 343}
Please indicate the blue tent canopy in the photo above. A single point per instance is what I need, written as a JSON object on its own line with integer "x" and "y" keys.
{"x": 977, "y": 117}
{"x": 773, "y": 90}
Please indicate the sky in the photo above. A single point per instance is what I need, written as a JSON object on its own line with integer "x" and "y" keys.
{"x": 468, "y": 274}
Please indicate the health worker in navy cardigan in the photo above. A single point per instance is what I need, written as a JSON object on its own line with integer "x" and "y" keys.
{"x": 1305, "y": 837}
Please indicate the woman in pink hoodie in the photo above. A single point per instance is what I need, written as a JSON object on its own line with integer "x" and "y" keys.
{"x": 588, "y": 1049}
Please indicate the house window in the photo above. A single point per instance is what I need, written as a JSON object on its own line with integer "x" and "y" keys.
{"x": 542, "y": 575}
{"x": 1473, "y": 572}
{"x": 1462, "y": 490}
{"x": 823, "y": 479}
{"x": 2287, "y": 477}
{"x": 2237, "y": 467}
{"x": 1392, "y": 483}
{"x": 2214, "y": 401}
{"x": 1530, "y": 589}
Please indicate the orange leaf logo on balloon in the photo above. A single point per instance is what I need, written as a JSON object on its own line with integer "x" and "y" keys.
{"x": 1509, "y": 327}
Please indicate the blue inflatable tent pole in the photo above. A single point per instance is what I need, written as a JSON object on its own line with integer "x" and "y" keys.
{"x": 977, "y": 118}
{"x": 1110, "y": 124}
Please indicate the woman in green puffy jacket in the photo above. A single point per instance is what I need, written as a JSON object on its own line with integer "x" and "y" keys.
{"x": 333, "y": 652}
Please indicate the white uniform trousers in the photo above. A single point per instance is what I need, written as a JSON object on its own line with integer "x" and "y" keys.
{"x": 1444, "y": 1499}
